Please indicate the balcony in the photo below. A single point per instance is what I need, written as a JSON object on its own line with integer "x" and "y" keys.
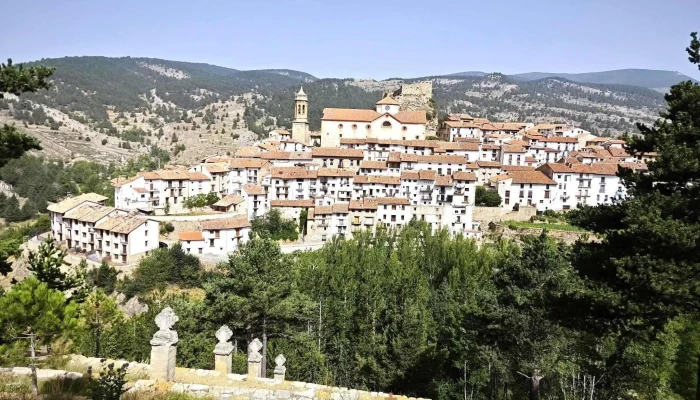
{"x": 426, "y": 188}
{"x": 342, "y": 223}
{"x": 426, "y": 197}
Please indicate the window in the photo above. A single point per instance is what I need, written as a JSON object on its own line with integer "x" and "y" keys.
{"x": 211, "y": 242}
{"x": 403, "y": 128}
{"x": 200, "y": 250}
{"x": 354, "y": 126}
{"x": 386, "y": 124}
{"x": 340, "y": 126}
{"x": 368, "y": 126}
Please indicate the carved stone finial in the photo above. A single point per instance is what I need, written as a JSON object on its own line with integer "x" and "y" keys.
{"x": 165, "y": 320}
{"x": 254, "y": 348}
{"x": 279, "y": 361}
{"x": 280, "y": 369}
{"x": 224, "y": 346}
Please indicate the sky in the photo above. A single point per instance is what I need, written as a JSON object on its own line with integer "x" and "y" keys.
{"x": 363, "y": 39}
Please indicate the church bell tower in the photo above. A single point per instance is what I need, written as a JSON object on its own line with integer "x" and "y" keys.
{"x": 300, "y": 124}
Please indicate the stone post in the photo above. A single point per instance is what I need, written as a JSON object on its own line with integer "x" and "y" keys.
{"x": 280, "y": 369}
{"x": 254, "y": 358}
{"x": 222, "y": 351}
{"x": 163, "y": 346}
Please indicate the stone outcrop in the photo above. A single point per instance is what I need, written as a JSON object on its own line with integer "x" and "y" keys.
{"x": 417, "y": 97}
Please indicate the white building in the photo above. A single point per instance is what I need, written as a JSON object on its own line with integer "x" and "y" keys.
{"x": 384, "y": 122}
{"x": 527, "y": 188}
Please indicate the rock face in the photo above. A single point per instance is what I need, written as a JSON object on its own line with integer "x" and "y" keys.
{"x": 418, "y": 97}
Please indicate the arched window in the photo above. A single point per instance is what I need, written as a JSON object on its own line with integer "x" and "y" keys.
{"x": 368, "y": 126}
{"x": 354, "y": 126}
{"x": 386, "y": 124}
{"x": 303, "y": 109}
{"x": 340, "y": 126}
{"x": 299, "y": 109}
{"x": 404, "y": 129}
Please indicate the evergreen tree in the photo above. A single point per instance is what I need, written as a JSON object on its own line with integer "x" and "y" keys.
{"x": 258, "y": 295}
{"x": 646, "y": 265}
{"x": 17, "y": 79}
{"x": 46, "y": 265}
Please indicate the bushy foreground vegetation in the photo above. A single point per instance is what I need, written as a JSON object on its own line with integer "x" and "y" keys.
{"x": 411, "y": 312}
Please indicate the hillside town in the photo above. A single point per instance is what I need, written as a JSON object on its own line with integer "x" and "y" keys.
{"x": 364, "y": 169}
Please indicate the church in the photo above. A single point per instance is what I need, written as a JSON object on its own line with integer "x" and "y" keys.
{"x": 385, "y": 122}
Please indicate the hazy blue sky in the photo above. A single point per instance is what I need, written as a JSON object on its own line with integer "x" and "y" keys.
{"x": 377, "y": 39}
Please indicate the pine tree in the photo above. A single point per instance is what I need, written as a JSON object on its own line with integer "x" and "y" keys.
{"x": 46, "y": 265}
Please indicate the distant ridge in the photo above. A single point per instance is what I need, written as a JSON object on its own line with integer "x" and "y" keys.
{"x": 647, "y": 78}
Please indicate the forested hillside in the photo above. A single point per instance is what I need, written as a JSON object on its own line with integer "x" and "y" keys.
{"x": 94, "y": 94}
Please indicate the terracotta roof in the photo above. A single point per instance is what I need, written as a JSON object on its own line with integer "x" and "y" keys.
{"x": 461, "y": 124}
{"x": 172, "y": 175}
{"x": 488, "y": 164}
{"x": 347, "y": 173}
{"x": 548, "y": 150}
{"x": 517, "y": 168}
{"x": 530, "y": 159}
{"x": 292, "y": 203}
{"x": 595, "y": 168}
{"x": 72, "y": 202}
{"x": 286, "y": 155}
{"x": 381, "y": 179}
{"x": 467, "y": 140}
{"x": 490, "y": 147}
{"x": 465, "y": 146}
{"x": 337, "y": 208}
{"x": 559, "y": 139}
{"x": 253, "y": 190}
{"x": 464, "y": 176}
{"x": 410, "y": 175}
{"x": 352, "y": 141}
{"x": 510, "y": 126}
{"x": 97, "y": 213}
{"x": 349, "y": 114}
{"x": 367, "y": 203}
{"x": 143, "y": 189}
{"x": 282, "y": 132}
{"x": 121, "y": 224}
{"x": 427, "y": 175}
{"x": 535, "y": 177}
{"x": 216, "y": 168}
{"x": 367, "y": 164}
{"x": 411, "y": 117}
{"x": 443, "y": 159}
{"x": 150, "y": 175}
{"x": 336, "y": 152}
{"x": 556, "y": 167}
{"x": 228, "y": 200}
{"x": 119, "y": 182}
{"x": 358, "y": 115}
{"x": 518, "y": 143}
{"x": 238, "y": 163}
{"x": 443, "y": 180}
{"x": 197, "y": 176}
{"x": 247, "y": 151}
{"x": 513, "y": 149}
{"x": 617, "y": 152}
{"x": 388, "y": 100}
{"x": 190, "y": 236}
{"x": 393, "y": 200}
{"x": 293, "y": 173}
{"x": 229, "y": 223}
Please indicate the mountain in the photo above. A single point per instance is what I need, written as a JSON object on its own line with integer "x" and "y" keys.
{"x": 648, "y": 78}
{"x": 469, "y": 73}
{"x": 110, "y": 108}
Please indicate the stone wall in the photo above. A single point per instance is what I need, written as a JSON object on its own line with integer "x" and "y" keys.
{"x": 163, "y": 375}
{"x": 416, "y": 97}
{"x": 485, "y": 215}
